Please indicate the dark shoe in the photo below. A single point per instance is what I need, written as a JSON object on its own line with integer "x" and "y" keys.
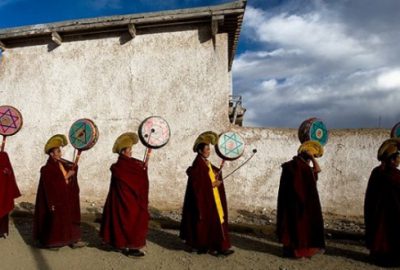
{"x": 133, "y": 253}
{"x": 79, "y": 244}
{"x": 227, "y": 252}
{"x": 37, "y": 244}
{"x": 190, "y": 250}
{"x": 223, "y": 253}
{"x": 287, "y": 252}
{"x": 3, "y": 236}
{"x": 213, "y": 253}
{"x": 202, "y": 251}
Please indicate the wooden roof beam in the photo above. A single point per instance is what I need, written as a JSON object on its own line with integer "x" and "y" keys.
{"x": 216, "y": 21}
{"x": 56, "y": 38}
{"x": 132, "y": 30}
{"x": 2, "y": 46}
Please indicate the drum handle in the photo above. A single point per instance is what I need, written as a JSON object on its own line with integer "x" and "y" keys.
{"x": 77, "y": 160}
{"x": 220, "y": 168}
{"x": 148, "y": 153}
{"x": 148, "y": 150}
{"x": 218, "y": 175}
{"x": 3, "y": 144}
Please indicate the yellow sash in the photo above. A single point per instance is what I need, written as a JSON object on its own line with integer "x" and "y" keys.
{"x": 217, "y": 199}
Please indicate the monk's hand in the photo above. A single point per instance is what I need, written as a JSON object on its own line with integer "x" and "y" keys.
{"x": 69, "y": 174}
{"x": 216, "y": 183}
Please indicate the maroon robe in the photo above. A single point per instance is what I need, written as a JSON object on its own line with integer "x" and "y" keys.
{"x": 382, "y": 212}
{"x": 8, "y": 191}
{"x": 200, "y": 226}
{"x": 299, "y": 216}
{"x": 125, "y": 216}
{"x": 57, "y": 210}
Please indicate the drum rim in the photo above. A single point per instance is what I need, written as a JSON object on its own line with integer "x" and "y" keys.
{"x": 92, "y": 141}
{"x": 21, "y": 120}
{"x": 143, "y": 140}
{"x": 392, "y": 135}
{"x": 309, "y": 122}
{"x": 219, "y": 152}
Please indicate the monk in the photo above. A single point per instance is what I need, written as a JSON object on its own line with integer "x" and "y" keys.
{"x": 382, "y": 207}
{"x": 300, "y": 225}
{"x": 57, "y": 210}
{"x": 8, "y": 192}
{"x": 125, "y": 216}
{"x": 204, "y": 225}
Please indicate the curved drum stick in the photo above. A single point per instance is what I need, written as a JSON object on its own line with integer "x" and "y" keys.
{"x": 254, "y": 152}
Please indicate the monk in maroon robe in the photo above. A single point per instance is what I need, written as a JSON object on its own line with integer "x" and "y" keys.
{"x": 204, "y": 225}
{"x": 57, "y": 210}
{"x": 382, "y": 208}
{"x": 299, "y": 217}
{"x": 125, "y": 216}
{"x": 8, "y": 192}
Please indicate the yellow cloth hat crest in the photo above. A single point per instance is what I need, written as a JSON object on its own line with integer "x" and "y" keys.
{"x": 58, "y": 140}
{"x": 125, "y": 140}
{"x": 312, "y": 147}
{"x": 388, "y": 148}
{"x": 208, "y": 137}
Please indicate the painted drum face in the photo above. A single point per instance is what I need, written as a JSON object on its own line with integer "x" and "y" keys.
{"x": 83, "y": 134}
{"x": 313, "y": 129}
{"x": 10, "y": 120}
{"x": 230, "y": 146}
{"x": 395, "y": 133}
{"x": 154, "y": 132}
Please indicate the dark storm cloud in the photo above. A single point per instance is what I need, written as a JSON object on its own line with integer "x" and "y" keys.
{"x": 337, "y": 61}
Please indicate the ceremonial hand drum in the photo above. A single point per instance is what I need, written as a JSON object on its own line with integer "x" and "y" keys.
{"x": 230, "y": 146}
{"x": 395, "y": 133}
{"x": 313, "y": 129}
{"x": 154, "y": 133}
{"x": 10, "y": 122}
{"x": 83, "y": 135}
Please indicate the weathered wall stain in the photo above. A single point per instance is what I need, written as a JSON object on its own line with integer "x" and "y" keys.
{"x": 180, "y": 76}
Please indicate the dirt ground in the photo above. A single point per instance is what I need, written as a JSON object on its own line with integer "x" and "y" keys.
{"x": 166, "y": 251}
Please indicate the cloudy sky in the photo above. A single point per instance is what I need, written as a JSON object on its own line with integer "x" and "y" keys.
{"x": 337, "y": 60}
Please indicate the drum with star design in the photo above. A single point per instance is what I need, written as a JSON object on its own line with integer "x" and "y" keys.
{"x": 395, "y": 133}
{"x": 154, "y": 132}
{"x": 313, "y": 129}
{"x": 10, "y": 120}
{"x": 230, "y": 146}
{"x": 83, "y": 134}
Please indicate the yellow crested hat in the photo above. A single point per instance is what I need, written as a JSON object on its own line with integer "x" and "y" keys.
{"x": 312, "y": 147}
{"x": 208, "y": 137}
{"x": 125, "y": 140}
{"x": 388, "y": 148}
{"x": 58, "y": 140}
